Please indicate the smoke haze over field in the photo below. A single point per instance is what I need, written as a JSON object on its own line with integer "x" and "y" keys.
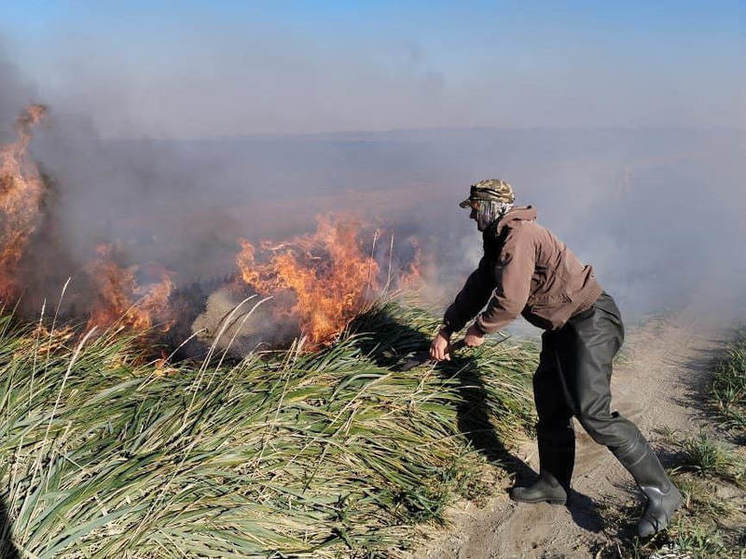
{"x": 189, "y": 69}
{"x": 174, "y": 135}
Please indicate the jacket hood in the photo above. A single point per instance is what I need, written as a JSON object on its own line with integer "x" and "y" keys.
{"x": 521, "y": 213}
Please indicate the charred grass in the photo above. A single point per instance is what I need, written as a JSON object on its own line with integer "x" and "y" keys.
{"x": 336, "y": 453}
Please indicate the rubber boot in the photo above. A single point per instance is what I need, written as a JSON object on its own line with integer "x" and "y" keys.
{"x": 547, "y": 489}
{"x": 556, "y": 461}
{"x": 663, "y": 498}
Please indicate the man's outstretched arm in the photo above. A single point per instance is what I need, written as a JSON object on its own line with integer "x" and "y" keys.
{"x": 470, "y": 300}
{"x": 513, "y": 273}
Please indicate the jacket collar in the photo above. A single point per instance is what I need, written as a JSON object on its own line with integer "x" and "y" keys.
{"x": 520, "y": 213}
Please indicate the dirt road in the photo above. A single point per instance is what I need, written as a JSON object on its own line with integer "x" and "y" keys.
{"x": 659, "y": 384}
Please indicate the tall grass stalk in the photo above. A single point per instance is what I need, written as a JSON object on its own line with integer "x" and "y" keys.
{"x": 332, "y": 453}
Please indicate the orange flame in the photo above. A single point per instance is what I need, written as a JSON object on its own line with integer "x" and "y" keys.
{"x": 121, "y": 300}
{"x": 21, "y": 193}
{"x": 327, "y": 273}
{"x": 411, "y": 277}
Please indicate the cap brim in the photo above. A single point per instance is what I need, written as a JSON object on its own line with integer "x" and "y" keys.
{"x": 465, "y": 204}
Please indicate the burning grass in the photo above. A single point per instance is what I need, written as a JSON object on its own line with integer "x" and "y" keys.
{"x": 326, "y": 448}
{"x": 323, "y": 279}
{"x": 121, "y": 301}
{"x": 21, "y": 195}
{"x": 323, "y": 454}
{"x": 318, "y": 281}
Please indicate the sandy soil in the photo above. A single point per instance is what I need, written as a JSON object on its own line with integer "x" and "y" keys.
{"x": 659, "y": 384}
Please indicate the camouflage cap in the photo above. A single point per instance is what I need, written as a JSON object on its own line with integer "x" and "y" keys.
{"x": 494, "y": 190}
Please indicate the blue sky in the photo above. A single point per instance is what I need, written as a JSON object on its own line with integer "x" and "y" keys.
{"x": 193, "y": 69}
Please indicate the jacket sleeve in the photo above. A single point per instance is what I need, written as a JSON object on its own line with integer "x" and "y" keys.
{"x": 513, "y": 272}
{"x": 471, "y": 299}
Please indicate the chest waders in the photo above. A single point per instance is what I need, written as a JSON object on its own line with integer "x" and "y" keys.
{"x": 573, "y": 379}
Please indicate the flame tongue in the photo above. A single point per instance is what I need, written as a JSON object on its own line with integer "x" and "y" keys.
{"x": 319, "y": 281}
{"x": 21, "y": 194}
{"x": 121, "y": 300}
{"x": 327, "y": 274}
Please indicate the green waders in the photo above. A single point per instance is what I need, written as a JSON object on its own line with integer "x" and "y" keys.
{"x": 573, "y": 379}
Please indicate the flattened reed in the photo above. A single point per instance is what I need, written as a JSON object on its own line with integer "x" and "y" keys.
{"x": 333, "y": 453}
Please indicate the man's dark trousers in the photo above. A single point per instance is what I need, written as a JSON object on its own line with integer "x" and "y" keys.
{"x": 573, "y": 379}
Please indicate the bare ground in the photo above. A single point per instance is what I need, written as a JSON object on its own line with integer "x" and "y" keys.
{"x": 659, "y": 385}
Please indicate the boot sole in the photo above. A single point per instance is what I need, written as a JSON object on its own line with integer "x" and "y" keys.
{"x": 540, "y": 500}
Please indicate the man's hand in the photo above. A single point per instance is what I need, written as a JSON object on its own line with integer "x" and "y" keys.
{"x": 474, "y": 337}
{"x": 440, "y": 348}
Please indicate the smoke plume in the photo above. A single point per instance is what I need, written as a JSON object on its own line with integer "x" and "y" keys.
{"x": 657, "y": 211}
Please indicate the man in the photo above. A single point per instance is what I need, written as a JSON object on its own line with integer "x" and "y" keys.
{"x": 526, "y": 270}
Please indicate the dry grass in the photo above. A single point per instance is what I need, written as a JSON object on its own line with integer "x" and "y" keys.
{"x": 334, "y": 453}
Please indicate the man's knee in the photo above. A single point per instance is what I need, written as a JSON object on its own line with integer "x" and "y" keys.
{"x": 610, "y": 429}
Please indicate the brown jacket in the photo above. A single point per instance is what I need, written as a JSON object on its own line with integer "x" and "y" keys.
{"x": 525, "y": 270}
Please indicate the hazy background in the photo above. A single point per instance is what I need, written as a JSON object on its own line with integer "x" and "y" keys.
{"x": 177, "y": 126}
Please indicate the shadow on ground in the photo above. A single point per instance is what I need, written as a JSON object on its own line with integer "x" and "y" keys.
{"x": 699, "y": 397}
{"x": 7, "y": 549}
{"x": 397, "y": 346}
